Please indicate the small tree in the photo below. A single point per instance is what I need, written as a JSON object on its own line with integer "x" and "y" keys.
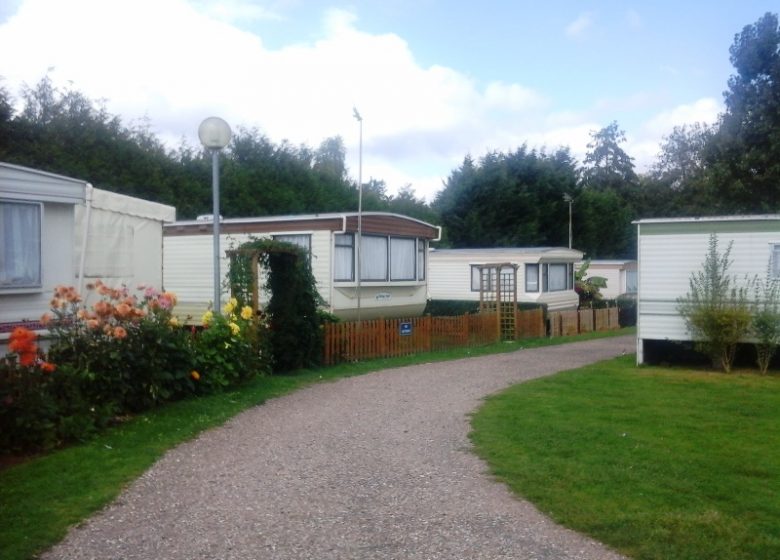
{"x": 765, "y": 326}
{"x": 588, "y": 289}
{"x": 715, "y": 309}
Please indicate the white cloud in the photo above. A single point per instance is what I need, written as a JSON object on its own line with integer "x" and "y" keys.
{"x": 236, "y": 11}
{"x": 577, "y": 28}
{"x": 705, "y": 110}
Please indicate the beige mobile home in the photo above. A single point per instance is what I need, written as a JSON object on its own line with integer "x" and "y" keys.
{"x": 621, "y": 276}
{"x": 670, "y": 250}
{"x": 545, "y": 275}
{"x": 393, "y": 280}
{"x": 58, "y": 230}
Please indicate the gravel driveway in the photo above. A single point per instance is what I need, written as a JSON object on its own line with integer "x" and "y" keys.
{"x": 372, "y": 467}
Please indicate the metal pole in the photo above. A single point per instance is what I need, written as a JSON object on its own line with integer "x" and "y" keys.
{"x": 570, "y": 201}
{"x": 215, "y": 188}
{"x": 360, "y": 211}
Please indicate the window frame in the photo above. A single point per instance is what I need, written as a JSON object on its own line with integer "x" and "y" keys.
{"x": 535, "y": 275}
{"x": 420, "y": 259}
{"x": 37, "y": 283}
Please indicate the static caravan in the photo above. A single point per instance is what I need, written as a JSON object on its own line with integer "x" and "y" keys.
{"x": 545, "y": 275}
{"x": 393, "y": 280}
{"x": 58, "y": 230}
{"x": 621, "y": 276}
{"x": 670, "y": 250}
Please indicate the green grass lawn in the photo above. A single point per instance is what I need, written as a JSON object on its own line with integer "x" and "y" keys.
{"x": 656, "y": 463}
{"x": 41, "y": 498}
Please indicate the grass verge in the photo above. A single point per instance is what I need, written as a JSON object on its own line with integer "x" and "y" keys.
{"x": 657, "y": 463}
{"x": 40, "y": 499}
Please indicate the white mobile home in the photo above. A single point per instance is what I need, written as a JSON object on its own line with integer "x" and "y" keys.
{"x": 393, "y": 280}
{"x": 545, "y": 275}
{"x": 621, "y": 276}
{"x": 670, "y": 250}
{"x": 58, "y": 230}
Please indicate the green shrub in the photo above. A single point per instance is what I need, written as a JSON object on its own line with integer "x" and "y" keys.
{"x": 228, "y": 349}
{"x": 130, "y": 349}
{"x": 715, "y": 309}
{"x": 765, "y": 326}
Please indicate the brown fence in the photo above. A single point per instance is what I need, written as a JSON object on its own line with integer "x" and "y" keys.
{"x": 386, "y": 338}
{"x": 567, "y": 323}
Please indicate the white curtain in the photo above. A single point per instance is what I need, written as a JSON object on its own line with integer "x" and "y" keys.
{"x": 343, "y": 268}
{"x": 557, "y": 277}
{"x": 20, "y": 244}
{"x": 373, "y": 258}
{"x": 402, "y": 258}
{"x": 420, "y": 259}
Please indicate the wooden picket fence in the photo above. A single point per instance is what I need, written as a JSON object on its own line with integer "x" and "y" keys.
{"x": 569, "y": 323}
{"x": 386, "y": 338}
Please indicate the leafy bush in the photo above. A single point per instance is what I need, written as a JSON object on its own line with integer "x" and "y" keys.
{"x": 124, "y": 353}
{"x": 131, "y": 350}
{"x": 626, "y": 311}
{"x": 715, "y": 309}
{"x": 228, "y": 348}
{"x": 765, "y": 326}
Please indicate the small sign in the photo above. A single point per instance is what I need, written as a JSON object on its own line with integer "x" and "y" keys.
{"x": 383, "y": 296}
{"x": 405, "y": 329}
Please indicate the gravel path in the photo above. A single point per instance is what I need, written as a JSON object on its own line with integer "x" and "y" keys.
{"x": 371, "y": 467}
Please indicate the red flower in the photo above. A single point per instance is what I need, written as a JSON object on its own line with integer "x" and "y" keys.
{"x": 48, "y": 367}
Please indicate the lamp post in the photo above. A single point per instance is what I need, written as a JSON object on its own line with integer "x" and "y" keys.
{"x": 360, "y": 208}
{"x": 568, "y": 198}
{"x": 214, "y": 134}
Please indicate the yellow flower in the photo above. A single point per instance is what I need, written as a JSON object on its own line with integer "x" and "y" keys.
{"x": 228, "y": 308}
{"x": 207, "y": 317}
{"x": 195, "y": 375}
{"x": 173, "y": 321}
{"x": 246, "y": 313}
{"x": 235, "y": 328}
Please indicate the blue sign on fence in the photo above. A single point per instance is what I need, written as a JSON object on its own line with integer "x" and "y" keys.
{"x": 405, "y": 329}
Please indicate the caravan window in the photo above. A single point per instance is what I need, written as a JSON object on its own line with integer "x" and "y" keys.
{"x": 344, "y": 261}
{"x": 301, "y": 240}
{"x": 382, "y": 258}
{"x": 532, "y": 278}
{"x": 402, "y": 258}
{"x": 20, "y": 245}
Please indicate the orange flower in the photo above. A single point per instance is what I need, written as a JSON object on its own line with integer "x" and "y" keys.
{"x": 93, "y": 324}
{"x": 46, "y": 319}
{"x": 102, "y": 308}
{"x": 195, "y": 375}
{"x": 48, "y": 367}
{"x": 82, "y": 314}
{"x": 123, "y": 310}
{"x": 120, "y": 332}
{"x": 27, "y": 358}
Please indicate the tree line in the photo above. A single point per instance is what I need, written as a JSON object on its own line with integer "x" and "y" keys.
{"x": 515, "y": 198}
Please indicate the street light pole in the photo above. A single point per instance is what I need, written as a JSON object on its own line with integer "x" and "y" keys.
{"x": 568, "y": 198}
{"x": 214, "y": 134}
{"x": 359, "y": 242}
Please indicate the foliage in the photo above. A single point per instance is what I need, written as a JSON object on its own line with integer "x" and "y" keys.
{"x": 509, "y": 200}
{"x": 294, "y": 320}
{"x": 765, "y": 324}
{"x": 607, "y": 166}
{"x": 228, "y": 349}
{"x": 122, "y": 354}
{"x": 744, "y": 154}
{"x": 63, "y": 131}
{"x": 716, "y": 310}
{"x": 627, "y": 308}
{"x": 655, "y": 463}
{"x": 588, "y": 288}
{"x": 130, "y": 347}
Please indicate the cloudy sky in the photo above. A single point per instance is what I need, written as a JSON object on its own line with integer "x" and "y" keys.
{"x": 434, "y": 80}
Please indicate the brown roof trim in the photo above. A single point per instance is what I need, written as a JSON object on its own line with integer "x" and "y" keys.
{"x": 372, "y": 223}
